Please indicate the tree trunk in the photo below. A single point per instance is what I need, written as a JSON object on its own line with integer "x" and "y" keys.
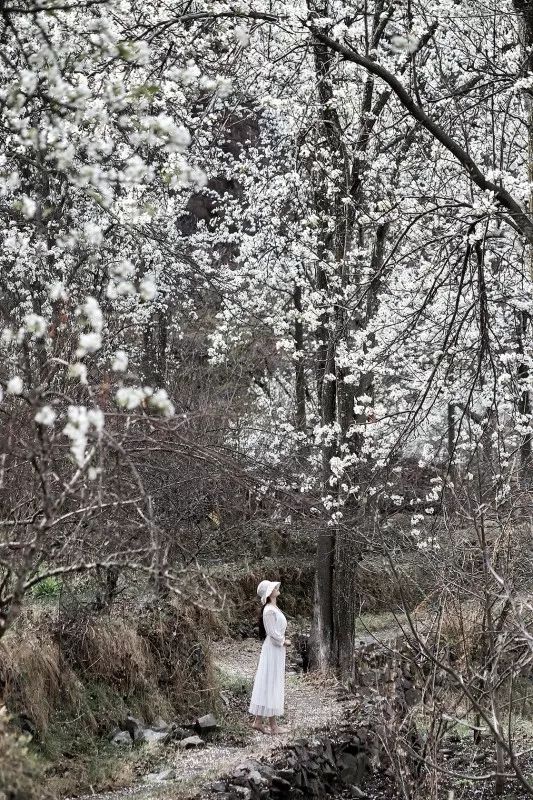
{"x": 301, "y": 422}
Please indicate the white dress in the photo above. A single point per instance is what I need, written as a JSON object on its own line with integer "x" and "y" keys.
{"x": 268, "y": 695}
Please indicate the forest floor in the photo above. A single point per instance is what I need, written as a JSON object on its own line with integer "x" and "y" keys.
{"x": 311, "y": 703}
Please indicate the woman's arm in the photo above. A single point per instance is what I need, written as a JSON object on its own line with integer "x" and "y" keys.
{"x": 269, "y": 618}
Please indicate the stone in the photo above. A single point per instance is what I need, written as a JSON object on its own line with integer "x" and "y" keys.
{"x": 266, "y": 771}
{"x": 225, "y": 697}
{"x": 355, "y": 791}
{"x": 351, "y": 768}
{"x": 218, "y": 787}
{"x": 176, "y": 733}
{"x": 192, "y": 741}
{"x": 159, "y": 724}
{"x": 113, "y": 733}
{"x": 287, "y": 774}
{"x": 150, "y": 735}
{"x": 134, "y": 727}
{"x": 241, "y": 792}
{"x": 122, "y": 739}
{"x": 206, "y": 723}
{"x": 280, "y": 783}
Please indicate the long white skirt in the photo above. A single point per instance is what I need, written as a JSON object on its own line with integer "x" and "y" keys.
{"x": 268, "y": 694}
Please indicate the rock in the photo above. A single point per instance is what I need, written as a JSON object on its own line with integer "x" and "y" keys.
{"x": 351, "y": 768}
{"x": 150, "y": 735}
{"x": 266, "y": 771}
{"x": 255, "y": 777}
{"x": 159, "y": 724}
{"x": 191, "y": 741}
{"x": 122, "y": 739}
{"x": 218, "y": 787}
{"x": 225, "y": 697}
{"x": 134, "y": 727}
{"x": 355, "y": 791}
{"x": 280, "y": 783}
{"x": 287, "y": 774}
{"x": 176, "y": 733}
{"x": 241, "y": 792}
{"x": 206, "y": 723}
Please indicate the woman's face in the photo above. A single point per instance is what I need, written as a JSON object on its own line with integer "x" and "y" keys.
{"x": 274, "y": 593}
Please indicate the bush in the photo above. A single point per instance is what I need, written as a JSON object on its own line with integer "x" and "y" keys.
{"x": 20, "y": 777}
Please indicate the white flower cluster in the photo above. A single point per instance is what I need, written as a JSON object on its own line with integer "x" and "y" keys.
{"x": 132, "y": 397}
{"x": 46, "y": 416}
{"x": 81, "y": 421}
{"x": 89, "y": 314}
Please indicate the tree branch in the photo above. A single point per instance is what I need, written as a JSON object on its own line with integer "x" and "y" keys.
{"x": 521, "y": 219}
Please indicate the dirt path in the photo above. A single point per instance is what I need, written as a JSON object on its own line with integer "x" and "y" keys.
{"x": 310, "y": 704}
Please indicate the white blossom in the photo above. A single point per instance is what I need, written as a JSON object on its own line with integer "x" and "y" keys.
{"x": 241, "y": 35}
{"x": 78, "y": 371}
{"x": 89, "y": 343}
{"x": 35, "y": 324}
{"x": 130, "y": 397}
{"x": 46, "y": 416}
{"x": 57, "y": 291}
{"x": 161, "y": 402}
{"x": 15, "y": 385}
{"x": 147, "y": 288}
{"x": 90, "y": 314}
{"x": 120, "y": 361}
{"x": 29, "y": 207}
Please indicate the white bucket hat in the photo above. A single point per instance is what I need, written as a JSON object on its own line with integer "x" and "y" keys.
{"x": 265, "y": 589}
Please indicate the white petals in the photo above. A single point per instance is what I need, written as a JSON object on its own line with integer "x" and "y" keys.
{"x": 15, "y": 385}
{"x": 35, "y": 324}
{"x": 29, "y": 207}
{"x": 129, "y": 397}
{"x": 45, "y": 416}
{"x": 77, "y": 429}
{"x": 241, "y": 35}
{"x": 88, "y": 343}
{"x": 132, "y": 397}
{"x": 124, "y": 269}
{"x": 147, "y": 288}
{"x": 78, "y": 371}
{"x": 161, "y": 402}
{"x": 96, "y": 418}
{"x": 90, "y": 314}
{"x": 57, "y": 291}
{"x": 6, "y": 337}
{"x": 120, "y": 361}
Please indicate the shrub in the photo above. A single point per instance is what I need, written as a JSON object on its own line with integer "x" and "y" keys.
{"x": 20, "y": 777}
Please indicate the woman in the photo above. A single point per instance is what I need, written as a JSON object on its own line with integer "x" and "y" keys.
{"x": 268, "y": 694}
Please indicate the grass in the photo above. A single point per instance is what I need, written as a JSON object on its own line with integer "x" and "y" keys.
{"x": 47, "y": 589}
{"x": 371, "y": 622}
{"x": 229, "y": 682}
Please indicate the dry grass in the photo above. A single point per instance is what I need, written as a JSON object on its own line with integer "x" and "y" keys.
{"x": 35, "y": 680}
{"x": 110, "y": 650}
{"x": 238, "y": 584}
{"x": 461, "y": 633}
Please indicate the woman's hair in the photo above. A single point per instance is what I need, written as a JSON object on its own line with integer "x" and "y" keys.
{"x": 261, "y": 624}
